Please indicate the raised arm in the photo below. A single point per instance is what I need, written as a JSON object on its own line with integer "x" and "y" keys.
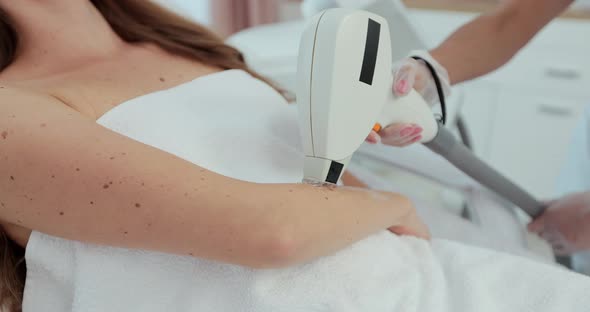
{"x": 64, "y": 175}
{"x": 491, "y": 40}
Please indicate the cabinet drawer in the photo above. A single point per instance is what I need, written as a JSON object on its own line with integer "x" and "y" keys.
{"x": 530, "y": 138}
{"x": 544, "y": 69}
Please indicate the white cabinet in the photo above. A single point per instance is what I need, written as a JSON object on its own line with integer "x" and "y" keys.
{"x": 530, "y": 137}
{"x": 521, "y": 117}
{"x": 479, "y": 105}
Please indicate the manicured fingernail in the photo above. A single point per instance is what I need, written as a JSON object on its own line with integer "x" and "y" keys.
{"x": 402, "y": 85}
{"x": 417, "y": 139}
{"x": 374, "y": 138}
{"x": 417, "y": 130}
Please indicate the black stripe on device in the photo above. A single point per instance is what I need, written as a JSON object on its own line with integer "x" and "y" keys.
{"x": 371, "y": 49}
{"x": 334, "y": 172}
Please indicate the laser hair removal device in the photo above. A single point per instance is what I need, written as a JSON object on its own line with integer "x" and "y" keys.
{"x": 345, "y": 88}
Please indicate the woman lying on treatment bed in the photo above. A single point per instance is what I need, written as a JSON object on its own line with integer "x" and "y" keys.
{"x": 124, "y": 125}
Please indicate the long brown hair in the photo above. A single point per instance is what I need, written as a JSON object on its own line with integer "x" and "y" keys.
{"x": 134, "y": 21}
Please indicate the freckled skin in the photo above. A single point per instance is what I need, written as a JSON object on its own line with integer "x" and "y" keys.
{"x": 151, "y": 207}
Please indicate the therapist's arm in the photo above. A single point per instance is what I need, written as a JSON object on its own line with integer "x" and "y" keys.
{"x": 491, "y": 40}
{"x": 64, "y": 175}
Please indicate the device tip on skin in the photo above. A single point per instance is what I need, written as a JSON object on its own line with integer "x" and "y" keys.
{"x": 317, "y": 183}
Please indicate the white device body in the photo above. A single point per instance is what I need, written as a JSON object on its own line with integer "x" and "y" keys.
{"x": 345, "y": 87}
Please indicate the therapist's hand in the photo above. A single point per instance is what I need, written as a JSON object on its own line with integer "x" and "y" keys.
{"x": 412, "y": 74}
{"x": 566, "y": 224}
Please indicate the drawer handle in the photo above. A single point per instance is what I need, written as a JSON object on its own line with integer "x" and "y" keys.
{"x": 554, "y": 110}
{"x": 565, "y": 74}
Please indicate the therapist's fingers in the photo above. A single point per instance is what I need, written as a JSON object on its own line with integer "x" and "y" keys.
{"x": 373, "y": 138}
{"x": 400, "y": 134}
{"x": 560, "y": 245}
{"x": 412, "y": 140}
{"x": 405, "y": 77}
{"x": 537, "y": 225}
